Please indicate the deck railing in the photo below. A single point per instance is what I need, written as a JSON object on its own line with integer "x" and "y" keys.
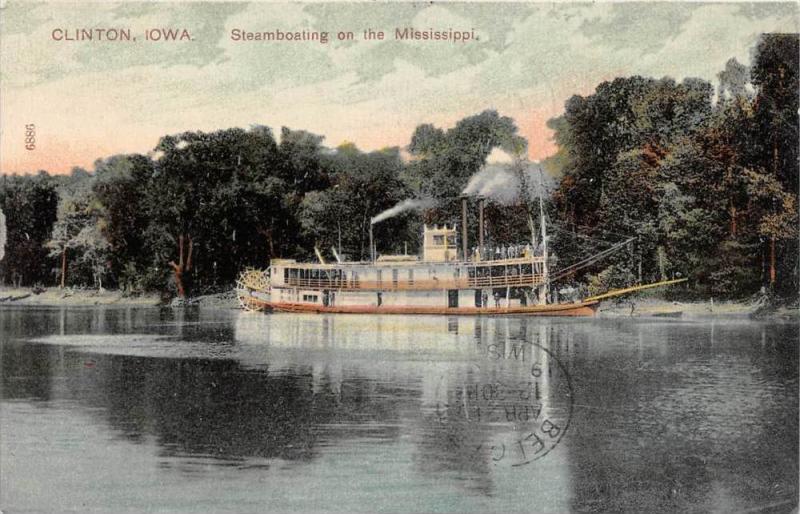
{"x": 475, "y": 282}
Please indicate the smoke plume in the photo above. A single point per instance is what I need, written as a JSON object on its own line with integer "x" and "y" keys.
{"x": 405, "y": 205}
{"x": 508, "y": 183}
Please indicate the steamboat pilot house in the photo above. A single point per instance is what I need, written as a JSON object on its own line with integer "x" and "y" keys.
{"x": 443, "y": 280}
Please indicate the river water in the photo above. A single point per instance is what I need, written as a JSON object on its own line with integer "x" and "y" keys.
{"x": 149, "y": 410}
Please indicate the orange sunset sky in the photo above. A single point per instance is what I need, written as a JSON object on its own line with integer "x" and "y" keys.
{"x": 93, "y": 99}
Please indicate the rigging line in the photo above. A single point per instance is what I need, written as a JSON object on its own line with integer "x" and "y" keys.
{"x": 601, "y": 255}
{"x": 591, "y": 260}
{"x": 587, "y": 261}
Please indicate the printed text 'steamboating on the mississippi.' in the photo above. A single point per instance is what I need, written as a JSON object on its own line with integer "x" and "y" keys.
{"x": 449, "y": 35}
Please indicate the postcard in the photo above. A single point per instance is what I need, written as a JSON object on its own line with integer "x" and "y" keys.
{"x": 399, "y": 256}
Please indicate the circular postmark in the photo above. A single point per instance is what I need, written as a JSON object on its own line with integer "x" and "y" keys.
{"x": 514, "y": 410}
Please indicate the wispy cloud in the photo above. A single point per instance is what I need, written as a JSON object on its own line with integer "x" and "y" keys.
{"x": 91, "y": 99}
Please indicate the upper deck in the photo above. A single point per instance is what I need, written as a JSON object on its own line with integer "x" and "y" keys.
{"x": 410, "y": 275}
{"x": 442, "y": 267}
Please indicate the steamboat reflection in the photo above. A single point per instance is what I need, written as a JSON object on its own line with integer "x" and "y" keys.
{"x": 291, "y": 386}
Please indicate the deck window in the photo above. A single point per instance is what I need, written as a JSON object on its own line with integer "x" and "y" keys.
{"x": 312, "y": 298}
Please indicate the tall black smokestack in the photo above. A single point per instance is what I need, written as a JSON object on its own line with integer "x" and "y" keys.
{"x": 464, "y": 244}
{"x": 480, "y": 222}
{"x": 371, "y": 245}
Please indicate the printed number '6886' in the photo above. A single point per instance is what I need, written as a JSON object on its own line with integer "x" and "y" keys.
{"x": 30, "y": 136}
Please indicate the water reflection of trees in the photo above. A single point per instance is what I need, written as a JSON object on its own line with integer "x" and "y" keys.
{"x": 27, "y": 372}
{"x": 216, "y": 408}
{"x": 684, "y": 416}
{"x": 294, "y": 387}
{"x": 657, "y": 426}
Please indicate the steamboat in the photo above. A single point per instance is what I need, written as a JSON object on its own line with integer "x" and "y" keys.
{"x": 448, "y": 278}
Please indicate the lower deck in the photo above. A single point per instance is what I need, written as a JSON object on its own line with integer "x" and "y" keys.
{"x": 444, "y": 298}
{"x": 563, "y": 309}
{"x": 455, "y": 301}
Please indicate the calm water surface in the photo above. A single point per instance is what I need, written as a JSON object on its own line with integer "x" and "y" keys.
{"x": 148, "y": 410}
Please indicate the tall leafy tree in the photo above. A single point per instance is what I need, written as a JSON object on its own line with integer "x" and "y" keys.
{"x": 776, "y": 78}
{"x": 30, "y": 204}
{"x": 79, "y": 230}
{"x": 192, "y": 201}
{"x": 625, "y": 145}
{"x": 121, "y": 185}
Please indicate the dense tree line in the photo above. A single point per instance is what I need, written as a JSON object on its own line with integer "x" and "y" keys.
{"x": 708, "y": 188}
{"x": 204, "y": 206}
{"x": 704, "y": 182}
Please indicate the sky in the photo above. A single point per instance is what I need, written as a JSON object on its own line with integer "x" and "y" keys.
{"x": 93, "y": 99}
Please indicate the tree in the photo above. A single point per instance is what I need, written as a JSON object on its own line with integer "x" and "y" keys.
{"x": 68, "y": 223}
{"x": 363, "y": 185}
{"x": 627, "y": 114}
{"x": 776, "y": 78}
{"x": 174, "y": 197}
{"x": 648, "y": 158}
{"x": 776, "y": 212}
{"x": 228, "y": 199}
{"x": 77, "y": 229}
{"x": 120, "y": 185}
{"x": 93, "y": 249}
{"x": 689, "y": 233}
{"x": 30, "y": 204}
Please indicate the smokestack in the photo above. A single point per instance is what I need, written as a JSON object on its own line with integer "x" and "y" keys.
{"x": 371, "y": 245}
{"x": 464, "y": 244}
{"x": 480, "y": 222}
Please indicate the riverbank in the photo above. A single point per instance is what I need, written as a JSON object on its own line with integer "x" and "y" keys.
{"x": 74, "y": 297}
{"x": 655, "y": 307}
{"x": 633, "y": 307}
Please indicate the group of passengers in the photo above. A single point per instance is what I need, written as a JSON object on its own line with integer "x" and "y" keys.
{"x": 484, "y": 253}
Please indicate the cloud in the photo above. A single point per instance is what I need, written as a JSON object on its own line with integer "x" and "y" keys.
{"x": 90, "y": 97}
